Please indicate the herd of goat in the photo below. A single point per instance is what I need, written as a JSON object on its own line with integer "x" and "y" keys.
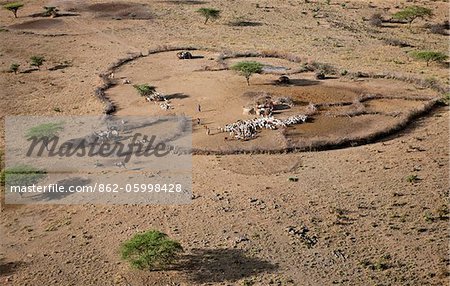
{"x": 247, "y": 129}
{"x": 242, "y": 129}
{"x": 164, "y": 103}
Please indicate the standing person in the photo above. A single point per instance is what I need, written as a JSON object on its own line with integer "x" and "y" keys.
{"x": 199, "y": 108}
{"x": 198, "y": 121}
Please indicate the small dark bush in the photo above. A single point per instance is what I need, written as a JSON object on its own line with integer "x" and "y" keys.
{"x": 439, "y": 29}
{"x": 376, "y": 20}
{"x": 396, "y": 43}
{"x": 320, "y": 75}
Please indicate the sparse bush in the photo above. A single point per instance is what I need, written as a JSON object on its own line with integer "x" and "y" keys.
{"x": 442, "y": 212}
{"x": 37, "y": 61}
{"x": 440, "y": 29}
{"x": 209, "y": 13}
{"x": 326, "y": 68}
{"x": 45, "y": 131}
{"x": 13, "y": 7}
{"x": 412, "y": 178}
{"x": 445, "y": 100}
{"x": 151, "y": 250}
{"x": 376, "y": 20}
{"x": 428, "y": 217}
{"x": 50, "y": 11}
{"x": 411, "y": 13}
{"x": 144, "y": 89}
{"x": 429, "y": 56}
{"x": 21, "y": 175}
{"x": 320, "y": 75}
{"x": 247, "y": 69}
{"x": 14, "y": 68}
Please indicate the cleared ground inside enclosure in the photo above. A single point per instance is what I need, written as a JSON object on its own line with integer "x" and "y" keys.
{"x": 374, "y": 223}
{"x": 343, "y": 112}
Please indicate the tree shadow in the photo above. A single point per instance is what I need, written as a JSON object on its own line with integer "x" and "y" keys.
{"x": 42, "y": 15}
{"x": 176, "y": 96}
{"x": 7, "y": 268}
{"x": 66, "y": 183}
{"x": 223, "y": 265}
{"x": 189, "y": 2}
{"x": 297, "y": 82}
{"x": 244, "y": 23}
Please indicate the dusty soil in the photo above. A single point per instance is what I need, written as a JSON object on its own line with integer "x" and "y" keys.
{"x": 41, "y": 24}
{"x": 373, "y": 227}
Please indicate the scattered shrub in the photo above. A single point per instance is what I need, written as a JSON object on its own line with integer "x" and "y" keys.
{"x": 37, "y": 61}
{"x": 144, "y": 89}
{"x": 45, "y": 131}
{"x": 13, "y": 7}
{"x": 411, "y": 13}
{"x": 445, "y": 100}
{"x": 376, "y": 20}
{"x": 412, "y": 178}
{"x": 151, "y": 250}
{"x": 429, "y": 56}
{"x": 14, "y": 68}
{"x": 326, "y": 68}
{"x": 320, "y": 75}
{"x": 209, "y": 13}
{"x": 21, "y": 175}
{"x": 396, "y": 43}
{"x": 50, "y": 11}
{"x": 247, "y": 69}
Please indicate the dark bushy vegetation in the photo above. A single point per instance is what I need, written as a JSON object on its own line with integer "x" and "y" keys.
{"x": 247, "y": 69}
{"x": 429, "y": 56}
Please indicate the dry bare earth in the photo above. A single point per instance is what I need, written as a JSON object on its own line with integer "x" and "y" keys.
{"x": 372, "y": 226}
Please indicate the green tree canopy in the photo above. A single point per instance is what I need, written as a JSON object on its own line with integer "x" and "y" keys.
{"x": 37, "y": 61}
{"x": 21, "y": 175}
{"x": 13, "y": 7}
{"x": 152, "y": 250}
{"x": 14, "y": 68}
{"x": 45, "y": 131}
{"x": 247, "y": 69}
{"x": 48, "y": 130}
{"x": 144, "y": 89}
{"x": 413, "y": 12}
{"x": 209, "y": 13}
{"x": 429, "y": 56}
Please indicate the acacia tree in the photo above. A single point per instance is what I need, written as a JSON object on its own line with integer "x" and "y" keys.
{"x": 413, "y": 12}
{"x": 13, "y": 7}
{"x": 151, "y": 250}
{"x": 247, "y": 69}
{"x": 37, "y": 61}
{"x": 209, "y": 13}
{"x": 14, "y": 68}
{"x": 429, "y": 56}
{"x": 21, "y": 175}
{"x": 144, "y": 89}
{"x": 44, "y": 132}
{"x": 50, "y": 11}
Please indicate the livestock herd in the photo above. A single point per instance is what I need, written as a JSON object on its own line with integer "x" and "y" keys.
{"x": 247, "y": 129}
{"x": 156, "y": 96}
